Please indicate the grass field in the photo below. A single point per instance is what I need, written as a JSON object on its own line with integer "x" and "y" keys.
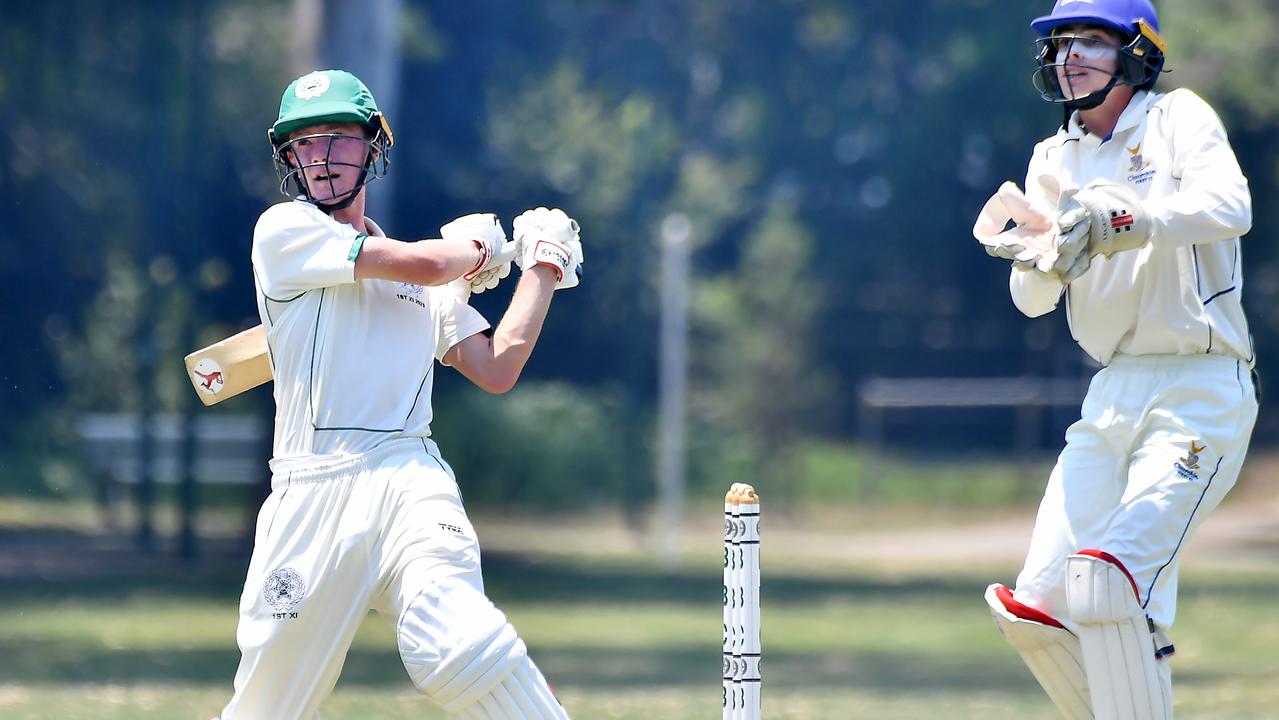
{"x": 847, "y": 634}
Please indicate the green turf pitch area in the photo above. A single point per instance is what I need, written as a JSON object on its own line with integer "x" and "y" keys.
{"x": 620, "y": 639}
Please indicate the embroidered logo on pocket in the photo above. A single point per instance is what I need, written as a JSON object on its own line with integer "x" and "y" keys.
{"x": 284, "y": 589}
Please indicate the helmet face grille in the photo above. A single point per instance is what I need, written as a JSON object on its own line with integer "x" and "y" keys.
{"x": 1141, "y": 57}
{"x": 317, "y": 180}
{"x": 1140, "y": 61}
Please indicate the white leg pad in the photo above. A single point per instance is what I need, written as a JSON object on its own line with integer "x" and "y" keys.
{"x": 523, "y": 694}
{"x": 459, "y": 650}
{"x": 1126, "y": 681}
{"x": 1051, "y": 652}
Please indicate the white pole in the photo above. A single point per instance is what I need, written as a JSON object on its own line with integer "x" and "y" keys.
{"x": 362, "y": 38}
{"x": 672, "y": 383}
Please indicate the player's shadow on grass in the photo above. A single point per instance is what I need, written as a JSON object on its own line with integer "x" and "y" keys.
{"x": 69, "y": 662}
{"x": 60, "y": 659}
{"x": 518, "y": 578}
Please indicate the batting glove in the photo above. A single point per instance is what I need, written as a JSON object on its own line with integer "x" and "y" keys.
{"x": 485, "y": 230}
{"x": 550, "y": 237}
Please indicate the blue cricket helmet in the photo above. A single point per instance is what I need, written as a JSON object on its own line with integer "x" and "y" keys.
{"x": 1141, "y": 57}
{"x": 1120, "y": 15}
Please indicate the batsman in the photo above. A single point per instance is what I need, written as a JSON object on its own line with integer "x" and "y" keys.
{"x": 1132, "y": 215}
{"x": 364, "y": 513}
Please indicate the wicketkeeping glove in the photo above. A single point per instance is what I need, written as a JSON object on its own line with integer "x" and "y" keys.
{"x": 486, "y": 231}
{"x": 1100, "y": 219}
{"x": 550, "y": 237}
{"x": 1029, "y": 244}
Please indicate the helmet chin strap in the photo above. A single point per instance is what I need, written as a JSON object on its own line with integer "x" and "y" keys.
{"x": 330, "y": 208}
{"x": 1094, "y": 99}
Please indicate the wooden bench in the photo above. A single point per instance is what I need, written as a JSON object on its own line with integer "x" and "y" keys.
{"x": 222, "y": 449}
{"x": 1028, "y": 397}
{"x": 228, "y": 449}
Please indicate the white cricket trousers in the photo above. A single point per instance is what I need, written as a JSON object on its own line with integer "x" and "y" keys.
{"x": 1159, "y": 442}
{"x": 331, "y": 544}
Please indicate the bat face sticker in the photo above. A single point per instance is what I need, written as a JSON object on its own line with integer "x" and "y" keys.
{"x": 207, "y": 376}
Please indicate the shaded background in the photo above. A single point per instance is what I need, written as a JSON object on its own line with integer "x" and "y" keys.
{"x": 828, "y": 159}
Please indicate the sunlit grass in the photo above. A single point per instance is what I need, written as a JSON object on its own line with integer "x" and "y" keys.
{"x": 846, "y": 634}
{"x": 854, "y": 646}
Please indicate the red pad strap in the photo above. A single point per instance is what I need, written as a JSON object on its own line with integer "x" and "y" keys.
{"x": 1102, "y": 555}
{"x": 1023, "y": 611}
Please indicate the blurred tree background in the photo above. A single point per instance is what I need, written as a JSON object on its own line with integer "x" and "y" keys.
{"x": 830, "y": 158}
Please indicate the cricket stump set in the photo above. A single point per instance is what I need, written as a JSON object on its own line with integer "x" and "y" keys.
{"x": 741, "y": 659}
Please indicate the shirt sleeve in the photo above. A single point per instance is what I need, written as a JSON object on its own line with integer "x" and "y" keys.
{"x": 1037, "y": 293}
{"x": 455, "y": 321}
{"x": 1212, "y": 201}
{"x": 296, "y": 248}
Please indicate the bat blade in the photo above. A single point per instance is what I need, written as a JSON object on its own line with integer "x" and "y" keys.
{"x": 229, "y": 367}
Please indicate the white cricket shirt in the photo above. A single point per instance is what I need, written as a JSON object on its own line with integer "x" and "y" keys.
{"x": 353, "y": 360}
{"x": 1180, "y": 294}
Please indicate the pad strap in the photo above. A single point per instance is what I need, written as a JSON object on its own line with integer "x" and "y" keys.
{"x": 1125, "y": 679}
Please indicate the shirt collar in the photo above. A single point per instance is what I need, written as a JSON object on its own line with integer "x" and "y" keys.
{"x": 1130, "y": 118}
{"x": 1132, "y": 115}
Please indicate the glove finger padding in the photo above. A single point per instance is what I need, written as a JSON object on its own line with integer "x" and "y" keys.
{"x": 1099, "y": 219}
{"x": 485, "y": 230}
{"x": 572, "y": 278}
{"x": 1080, "y": 266}
{"x": 550, "y": 237}
{"x": 1029, "y": 243}
{"x": 1072, "y": 244}
{"x": 1117, "y": 220}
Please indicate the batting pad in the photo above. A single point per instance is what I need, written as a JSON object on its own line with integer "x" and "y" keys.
{"x": 460, "y": 651}
{"x": 523, "y": 694}
{"x": 1050, "y": 651}
{"x": 1126, "y": 681}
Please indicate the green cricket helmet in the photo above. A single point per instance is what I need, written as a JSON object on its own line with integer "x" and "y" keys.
{"x": 326, "y": 97}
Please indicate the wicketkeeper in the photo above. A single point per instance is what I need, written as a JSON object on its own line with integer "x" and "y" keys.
{"x": 364, "y": 513}
{"x": 1132, "y": 213}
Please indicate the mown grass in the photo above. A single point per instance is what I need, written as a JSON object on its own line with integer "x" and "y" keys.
{"x": 621, "y": 639}
{"x": 91, "y": 630}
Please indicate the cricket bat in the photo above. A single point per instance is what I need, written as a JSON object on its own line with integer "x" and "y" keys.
{"x": 229, "y": 367}
{"x": 240, "y": 363}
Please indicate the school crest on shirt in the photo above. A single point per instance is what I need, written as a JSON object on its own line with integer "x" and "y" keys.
{"x": 409, "y": 292}
{"x": 283, "y": 590}
{"x": 1188, "y": 466}
{"x": 1139, "y": 170}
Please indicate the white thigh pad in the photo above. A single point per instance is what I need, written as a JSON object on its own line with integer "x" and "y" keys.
{"x": 1051, "y": 652}
{"x": 1126, "y": 681}
{"x": 460, "y": 651}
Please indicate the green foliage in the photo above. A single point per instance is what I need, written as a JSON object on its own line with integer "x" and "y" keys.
{"x": 719, "y": 456}
{"x": 44, "y": 460}
{"x": 583, "y": 141}
{"x": 1225, "y": 51}
{"x": 755, "y": 372}
{"x": 828, "y": 145}
{"x": 543, "y": 445}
